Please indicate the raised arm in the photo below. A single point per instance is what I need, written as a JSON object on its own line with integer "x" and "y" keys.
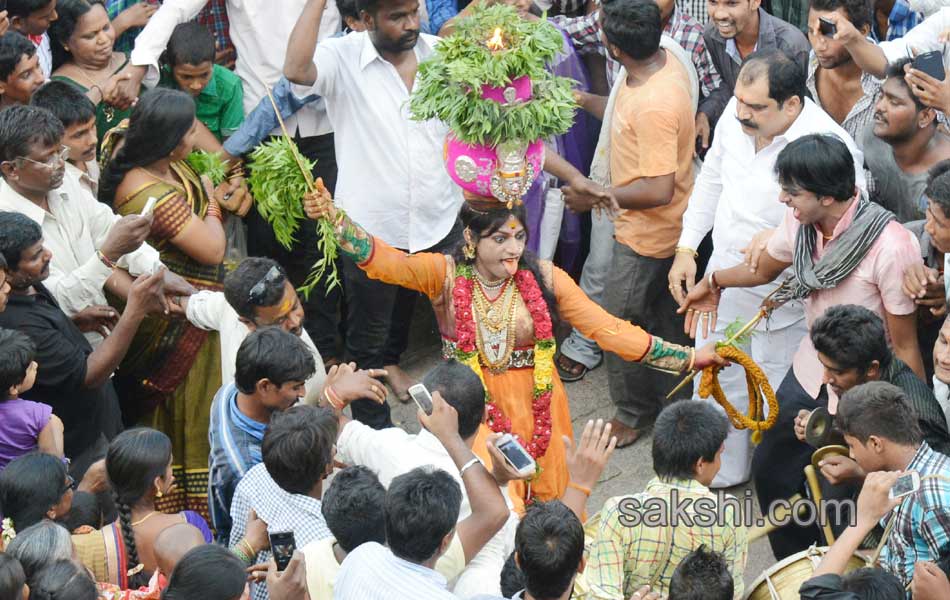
{"x": 298, "y": 64}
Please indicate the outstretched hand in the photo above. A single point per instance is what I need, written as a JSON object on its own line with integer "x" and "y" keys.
{"x": 701, "y": 305}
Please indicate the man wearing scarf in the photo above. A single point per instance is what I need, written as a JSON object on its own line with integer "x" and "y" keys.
{"x": 843, "y": 249}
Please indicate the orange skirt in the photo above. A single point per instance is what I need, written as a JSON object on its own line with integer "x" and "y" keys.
{"x": 513, "y": 392}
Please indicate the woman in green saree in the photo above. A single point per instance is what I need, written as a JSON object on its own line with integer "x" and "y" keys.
{"x": 172, "y": 371}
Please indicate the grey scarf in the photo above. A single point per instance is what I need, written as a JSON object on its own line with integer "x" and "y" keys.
{"x": 849, "y": 250}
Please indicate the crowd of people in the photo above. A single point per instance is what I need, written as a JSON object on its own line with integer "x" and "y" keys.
{"x": 177, "y": 421}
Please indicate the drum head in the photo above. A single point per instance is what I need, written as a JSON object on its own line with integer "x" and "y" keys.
{"x": 782, "y": 580}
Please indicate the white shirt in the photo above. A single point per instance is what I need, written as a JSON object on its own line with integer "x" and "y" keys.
{"x": 73, "y": 229}
{"x": 260, "y": 30}
{"x": 373, "y": 572}
{"x": 45, "y": 54}
{"x": 392, "y": 452}
{"x": 392, "y": 180}
{"x": 737, "y": 196}
{"x": 922, "y": 38}
{"x": 210, "y": 311}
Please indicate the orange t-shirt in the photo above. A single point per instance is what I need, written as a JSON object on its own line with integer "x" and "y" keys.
{"x": 653, "y": 134}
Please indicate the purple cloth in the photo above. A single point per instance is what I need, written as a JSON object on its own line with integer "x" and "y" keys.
{"x": 21, "y": 422}
{"x": 193, "y": 518}
{"x": 577, "y": 147}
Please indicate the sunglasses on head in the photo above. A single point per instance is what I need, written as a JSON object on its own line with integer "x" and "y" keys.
{"x": 259, "y": 290}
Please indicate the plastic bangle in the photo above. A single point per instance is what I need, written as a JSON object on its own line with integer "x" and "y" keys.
{"x": 240, "y": 554}
{"x": 250, "y": 550}
{"x": 686, "y": 250}
{"x": 330, "y": 401}
{"x": 105, "y": 259}
{"x": 331, "y": 393}
{"x": 578, "y": 487}
{"x": 468, "y": 465}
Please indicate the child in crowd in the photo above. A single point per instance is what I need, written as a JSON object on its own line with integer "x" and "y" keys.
{"x": 20, "y": 73}
{"x": 189, "y": 67}
{"x": 32, "y": 18}
{"x": 27, "y": 425}
{"x": 78, "y": 115}
{"x": 12, "y": 579}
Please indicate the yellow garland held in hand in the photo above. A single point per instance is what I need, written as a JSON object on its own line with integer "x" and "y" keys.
{"x": 758, "y": 385}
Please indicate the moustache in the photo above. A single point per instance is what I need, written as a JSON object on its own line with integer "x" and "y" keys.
{"x": 412, "y": 35}
{"x": 880, "y": 116}
{"x": 747, "y": 123}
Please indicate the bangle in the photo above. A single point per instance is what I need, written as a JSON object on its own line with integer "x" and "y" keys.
{"x": 250, "y": 550}
{"x": 214, "y": 211}
{"x": 105, "y": 259}
{"x": 330, "y": 401}
{"x": 334, "y": 397}
{"x": 468, "y": 465}
{"x": 236, "y": 550}
{"x": 692, "y": 359}
{"x": 712, "y": 281}
{"x": 580, "y": 488}
{"x": 686, "y": 250}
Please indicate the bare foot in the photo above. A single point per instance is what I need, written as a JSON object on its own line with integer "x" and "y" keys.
{"x": 400, "y": 382}
{"x": 626, "y": 435}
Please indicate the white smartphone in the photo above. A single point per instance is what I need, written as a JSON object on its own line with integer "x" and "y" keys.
{"x": 421, "y": 396}
{"x": 906, "y": 484}
{"x": 149, "y": 206}
{"x": 516, "y": 455}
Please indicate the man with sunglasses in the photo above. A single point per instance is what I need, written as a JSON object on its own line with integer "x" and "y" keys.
{"x": 94, "y": 250}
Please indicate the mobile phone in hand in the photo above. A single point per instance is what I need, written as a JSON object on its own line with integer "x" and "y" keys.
{"x": 827, "y": 27}
{"x": 421, "y": 396}
{"x": 906, "y": 484}
{"x": 931, "y": 63}
{"x": 515, "y": 455}
{"x": 282, "y": 544}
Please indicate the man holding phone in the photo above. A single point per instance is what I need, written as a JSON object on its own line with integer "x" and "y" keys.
{"x": 882, "y": 433}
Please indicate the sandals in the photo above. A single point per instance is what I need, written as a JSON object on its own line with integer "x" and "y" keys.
{"x": 570, "y": 370}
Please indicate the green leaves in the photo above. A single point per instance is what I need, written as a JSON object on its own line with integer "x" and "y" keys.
{"x": 449, "y": 84}
{"x": 210, "y": 164}
{"x": 734, "y": 328}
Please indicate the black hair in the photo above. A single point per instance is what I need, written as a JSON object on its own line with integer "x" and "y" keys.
{"x": 685, "y": 432}
{"x": 353, "y": 508}
{"x": 17, "y": 233}
{"x": 298, "y": 447}
{"x": 895, "y": 70}
{"x": 938, "y": 185}
{"x": 550, "y": 545}
{"x": 160, "y": 120}
{"x": 135, "y": 458}
{"x": 24, "y": 8}
{"x": 22, "y": 127}
{"x": 857, "y": 11}
{"x": 85, "y": 511}
{"x": 63, "y": 580}
{"x": 881, "y": 409}
{"x": 462, "y": 389}
{"x": 65, "y": 102}
{"x": 210, "y": 572}
{"x": 39, "y": 545}
{"x": 273, "y": 354}
{"x": 785, "y": 76}
{"x": 30, "y": 485}
{"x": 17, "y": 351}
{"x": 240, "y": 281}
{"x": 943, "y": 560}
{"x": 13, "y": 47}
{"x": 819, "y": 163}
{"x": 702, "y": 575}
{"x": 348, "y": 8}
{"x": 512, "y": 579}
{"x": 483, "y": 224}
{"x": 872, "y": 584}
{"x": 68, "y": 14}
{"x": 190, "y": 44}
{"x": 422, "y": 507}
{"x": 634, "y": 26}
{"x": 12, "y": 578}
{"x": 852, "y": 336}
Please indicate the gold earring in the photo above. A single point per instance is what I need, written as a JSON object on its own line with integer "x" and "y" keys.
{"x": 468, "y": 250}
{"x": 158, "y": 493}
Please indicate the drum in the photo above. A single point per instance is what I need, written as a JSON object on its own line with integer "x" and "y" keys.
{"x": 782, "y": 580}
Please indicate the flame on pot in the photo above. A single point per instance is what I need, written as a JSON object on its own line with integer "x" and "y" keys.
{"x": 496, "y": 42}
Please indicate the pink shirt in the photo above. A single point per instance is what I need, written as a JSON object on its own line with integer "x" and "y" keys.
{"x": 874, "y": 284}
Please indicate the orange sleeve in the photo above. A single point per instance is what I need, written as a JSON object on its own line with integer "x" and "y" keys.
{"x": 611, "y": 334}
{"x": 423, "y": 272}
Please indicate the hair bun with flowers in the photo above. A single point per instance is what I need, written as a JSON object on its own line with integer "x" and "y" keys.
{"x": 488, "y": 82}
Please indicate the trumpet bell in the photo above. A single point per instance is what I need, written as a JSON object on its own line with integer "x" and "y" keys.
{"x": 820, "y": 430}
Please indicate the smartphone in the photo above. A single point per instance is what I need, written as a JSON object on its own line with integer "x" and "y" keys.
{"x": 149, "y": 206}
{"x": 827, "y": 27}
{"x": 931, "y": 63}
{"x": 282, "y": 544}
{"x": 422, "y": 398}
{"x": 908, "y": 483}
{"x": 516, "y": 455}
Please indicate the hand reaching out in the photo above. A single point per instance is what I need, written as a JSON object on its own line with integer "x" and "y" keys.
{"x": 587, "y": 460}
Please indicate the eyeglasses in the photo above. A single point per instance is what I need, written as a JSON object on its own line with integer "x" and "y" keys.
{"x": 52, "y": 162}
{"x": 69, "y": 485}
{"x": 256, "y": 295}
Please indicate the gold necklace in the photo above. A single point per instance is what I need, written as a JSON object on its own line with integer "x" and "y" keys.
{"x": 495, "y": 327}
{"x": 143, "y": 519}
{"x": 108, "y": 111}
{"x": 494, "y": 312}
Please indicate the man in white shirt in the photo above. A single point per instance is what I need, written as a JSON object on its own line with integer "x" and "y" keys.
{"x": 392, "y": 180}
{"x": 260, "y": 31}
{"x": 736, "y": 197}
{"x": 422, "y": 511}
{"x": 392, "y": 452}
{"x": 93, "y": 248}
